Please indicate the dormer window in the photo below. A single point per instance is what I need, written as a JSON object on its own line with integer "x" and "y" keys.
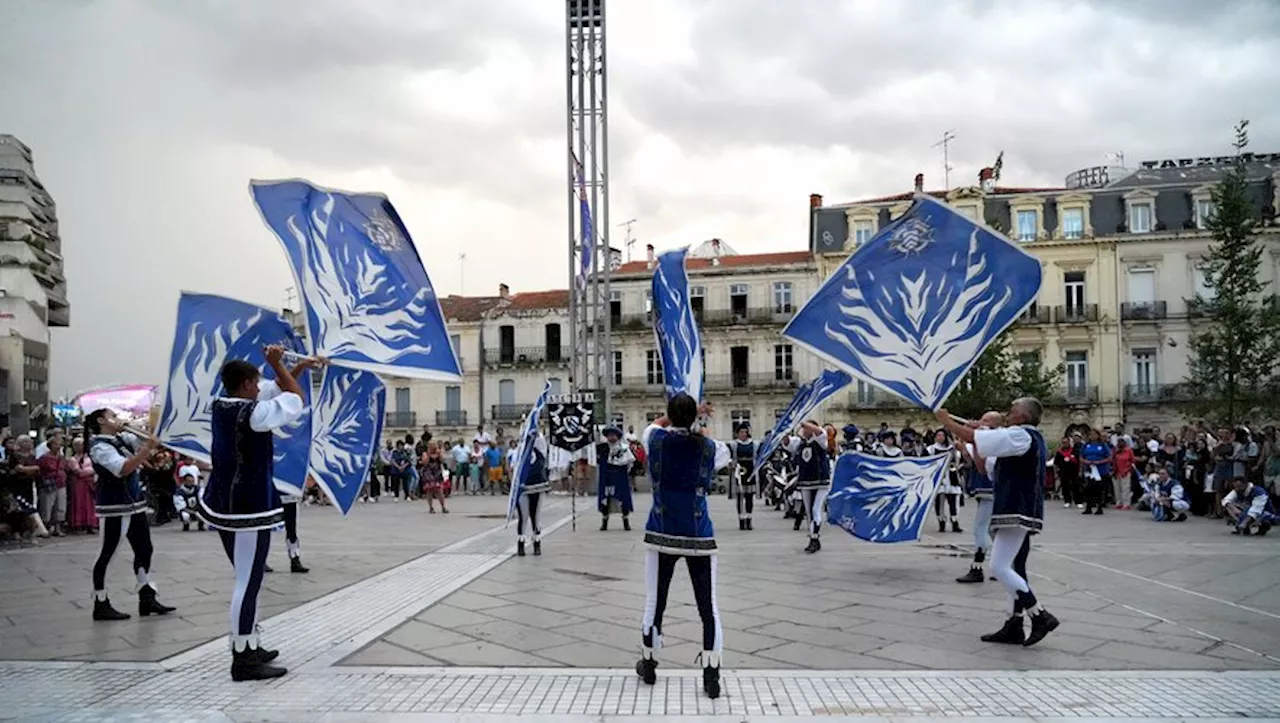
{"x": 1072, "y": 221}
{"x": 1204, "y": 212}
{"x": 1140, "y": 215}
{"x": 863, "y": 231}
{"x": 1027, "y": 224}
{"x": 1027, "y": 216}
{"x": 863, "y": 224}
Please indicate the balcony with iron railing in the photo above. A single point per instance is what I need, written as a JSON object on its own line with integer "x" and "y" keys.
{"x": 758, "y": 381}
{"x": 401, "y": 420}
{"x": 451, "y": 417}
{"x": 1075, "y": 395}
{"x": 639, "y": 385}
{"x": 1034, "y": 315}
{"x": 767, "y": 316}
{"x": 527, "y": 356}
{"x": 869, "y": 399}
{"x": 1075, "y": 314}
{"x": 1156, "y": 393}
{"x": 509, "y": 412}
{"x": 1144, "y": 310}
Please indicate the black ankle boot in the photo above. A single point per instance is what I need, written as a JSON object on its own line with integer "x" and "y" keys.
{"x": 604, "y": 523}
{"x": 742, "y": 525}
{"x": 261, "y": 655}
{"x": 102, "y": 610}
{"x": 749, "y": 527}
{"x": 1011, "y": 634}
{"x": 537, "y": 547}
{"x": 796, "y": 527}
{"x": 626, "y": 523}
{"x": 942, "y": 526}
{"x": 955, "y": 526}
{"x": 711, "y": 674}
{"x": 295, "y": 565}
{"x": 814, "y": 545}
{"x": 1042, "y": 623}
{"x": 148, "y": 605}
{"x": 519, "y": 548}
{"x": 186, "y": 527}
{"x": 647, "y": 669}
{"x": 973, "y": 575}
{"x": 248, "y": 664}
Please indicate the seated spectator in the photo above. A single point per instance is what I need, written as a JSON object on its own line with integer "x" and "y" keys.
{"x": 1167, "y": 497}
{"x": 1251, "y": 508}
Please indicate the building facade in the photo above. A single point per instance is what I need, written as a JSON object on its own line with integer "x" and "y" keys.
{"x": 33, "y": 287}
{"x": 1122, "y": 252}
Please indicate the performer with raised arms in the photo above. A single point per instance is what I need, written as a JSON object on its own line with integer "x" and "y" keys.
{"x": 813, "y": 476}
{"x": 744, "y": 479}
{"x": 614, "y": 459}
{"x": 240, "y": 499}
{"x": 121, "y": 505}
{"x": 683, "y": 465}
{"x": 1018, "y": 511}
{"x": 531, "y": 498}
{"x": 979, "y": 486}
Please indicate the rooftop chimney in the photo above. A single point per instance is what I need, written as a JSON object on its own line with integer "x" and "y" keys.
{"x": 815, "y": 200}
{"x": 503, "y": 291}
{"x": 649, "y": 257}
{"x": 919, "y": 183}
{"x": 987, "y": 179}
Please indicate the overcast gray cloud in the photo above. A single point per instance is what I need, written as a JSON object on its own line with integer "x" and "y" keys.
{"x": 147, "y": 119}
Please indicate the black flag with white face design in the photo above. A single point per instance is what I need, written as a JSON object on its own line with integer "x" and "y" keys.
{"x": 572, "y": 420}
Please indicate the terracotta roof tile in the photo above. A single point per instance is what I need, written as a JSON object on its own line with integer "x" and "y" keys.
{"x": 467, "y": 308}
{"x": 735, "y": 261}
{"x": 554, "y": 299}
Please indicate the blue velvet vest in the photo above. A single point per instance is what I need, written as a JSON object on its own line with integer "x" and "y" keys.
{"x": 240, "y": 493}
{"x": 1019, "y": 492}
{"x": 536, "y": 477}
{"x": 977, "y": 484}
{"x": 813, "y": 466}
{"x": 682, "y": 468}
{"x": 117, "y": 496}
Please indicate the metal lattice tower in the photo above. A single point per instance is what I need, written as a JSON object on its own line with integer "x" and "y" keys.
{"x": 587, "y": 122}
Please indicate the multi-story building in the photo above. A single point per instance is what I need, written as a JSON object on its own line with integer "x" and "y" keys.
{"x": 1122, "y": 253}
{"x": 741, "y": 301}
{"x": 33, "y": 288}
{"x": 509, "y": 346}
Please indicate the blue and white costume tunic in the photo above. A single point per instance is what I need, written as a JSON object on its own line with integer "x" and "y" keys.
{"x": 614, "y": 476}
{"x": 117, "y": 496}
{"x": 813, "y": 464}
{"x": 241, "y": 493}
{"x": 976, "y": 484}
{"x": 683, "y": 467}
{"x": 1019, "y": 475}
{"x": 1255, "y": 504}
{"x": 744, "y": 453}
{"x": 536, "y": 480}
{"x": 1172, "y": 489}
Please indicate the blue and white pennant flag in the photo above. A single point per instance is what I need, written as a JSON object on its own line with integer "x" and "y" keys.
{"x": 524, "y": 451}
{"x": 911, "y": 310}
{"x": 370, "y": 304}
{"x": 347, "y": 417}
{"x": 884, "y": 499}
{"x": 808, "y": 397}
{"x": 675, "y": 328}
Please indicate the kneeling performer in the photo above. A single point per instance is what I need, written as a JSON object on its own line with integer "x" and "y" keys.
{"x": 682, "y": 466}
{"x": 240, "y": 500}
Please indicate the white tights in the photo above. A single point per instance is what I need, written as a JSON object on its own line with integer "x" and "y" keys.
{"x": 1009, "y": 549}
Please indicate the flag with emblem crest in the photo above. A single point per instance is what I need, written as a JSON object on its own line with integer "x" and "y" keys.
{"x": 911, "y": 310}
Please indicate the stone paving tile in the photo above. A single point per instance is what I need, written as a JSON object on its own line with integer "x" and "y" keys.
{"x": 535, "y": 617}
{"x": 384, "y": 652}
{"x": 860, "y": 599}
{"x": 807, "y": 655}
{"x": 526, "y": 638}
{"x": 47, "y": 597}
{"x": 416, "y": 635}
{"x": 486, "y": 654}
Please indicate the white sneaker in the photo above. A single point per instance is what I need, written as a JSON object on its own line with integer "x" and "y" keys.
{"x": 1066, "y": 504}
{"x": 1079, "y": 506}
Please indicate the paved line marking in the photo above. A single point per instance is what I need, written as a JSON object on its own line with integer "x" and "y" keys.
{"x": 1169, "y": 586}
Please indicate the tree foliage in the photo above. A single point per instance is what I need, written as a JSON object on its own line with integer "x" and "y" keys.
{"x": 1234, "y": 369}
{"x": 999, "y": 376}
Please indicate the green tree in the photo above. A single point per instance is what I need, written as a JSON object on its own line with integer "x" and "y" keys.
{"x": 1000, "y": 376}
{"x": 1234, "y": 372}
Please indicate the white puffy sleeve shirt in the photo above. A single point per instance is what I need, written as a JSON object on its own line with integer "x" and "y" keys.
{"x": 275, "y": 408}
{"x": 1001, "y": 442}
{"x": 723, "y": 456}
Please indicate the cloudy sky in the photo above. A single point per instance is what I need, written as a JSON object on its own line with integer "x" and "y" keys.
{"x": 147, "y": 119}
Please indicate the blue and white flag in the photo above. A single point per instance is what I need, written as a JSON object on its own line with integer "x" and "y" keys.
{"x": 675, "y": 327}
{"x": 524, "y": 451}
{"x": 884, "y": 499}
{"x": 369, "y": 303}
{"x": 211, "y": 330}
{"x": 587, "y": 259}
{"x": 912, "y": 309}
{"x": 346, "y": 424}
{"x": 808, "y": 397}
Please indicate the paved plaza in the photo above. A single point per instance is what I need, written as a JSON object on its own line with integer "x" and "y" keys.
{"x": 412, "y": 616}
